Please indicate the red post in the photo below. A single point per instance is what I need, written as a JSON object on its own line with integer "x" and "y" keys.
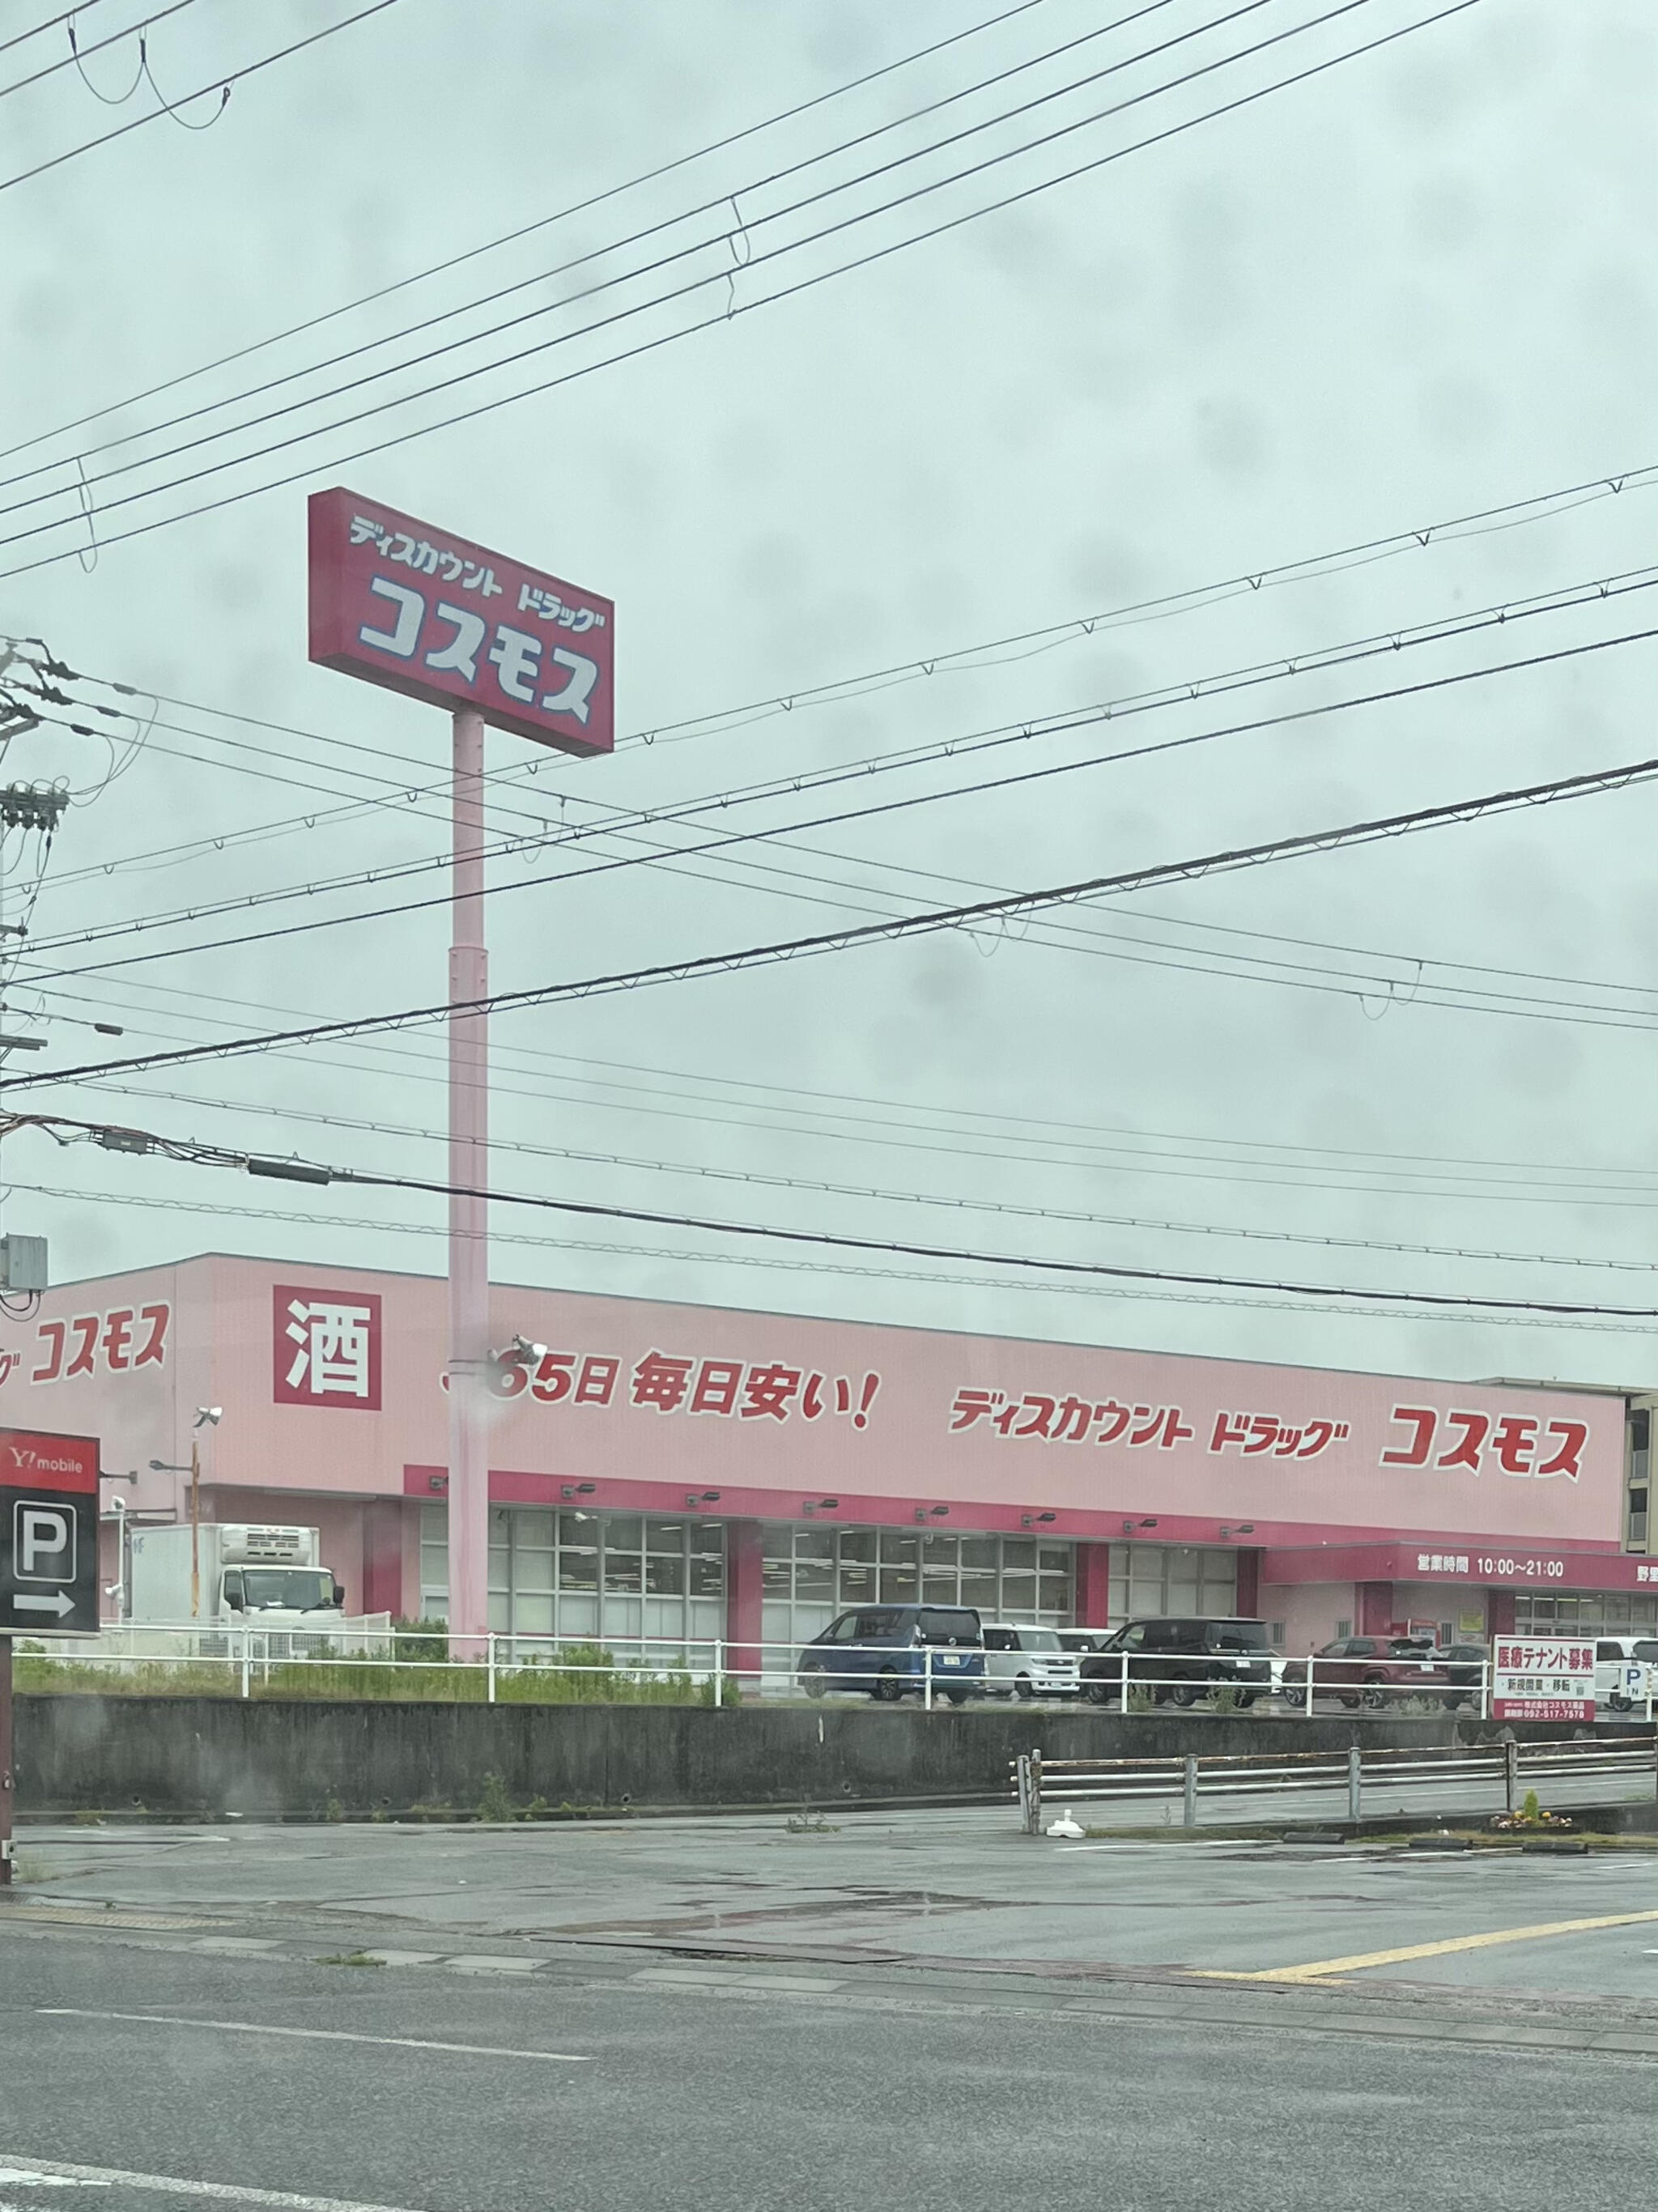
{"x": 469, "y": 1226}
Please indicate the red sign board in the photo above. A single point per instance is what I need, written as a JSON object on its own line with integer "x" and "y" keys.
{"x": 420, "y": 611}
{"x": 30, "y": 1461}
{"x": 325, "y": 1347}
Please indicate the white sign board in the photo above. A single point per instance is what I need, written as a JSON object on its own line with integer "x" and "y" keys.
{"x": 1542, "y": 1678}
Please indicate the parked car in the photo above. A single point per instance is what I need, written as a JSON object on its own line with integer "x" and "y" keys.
{"x": 1465, "y": 1664}
{"x": 1372, "y": 1670}
{"x": 1625, "y": 1671}
{"x": 1080, "y": 1639}
{"x": 884, "y": 1649}
{"x": 1027, "y": 1662}
{"x": 1181, "y": 1660}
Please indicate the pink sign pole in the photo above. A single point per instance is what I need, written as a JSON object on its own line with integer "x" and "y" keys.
{"x": 417, "y": 608}
{"x": 469, "y": 1205}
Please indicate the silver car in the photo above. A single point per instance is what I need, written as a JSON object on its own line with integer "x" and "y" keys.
{"x": 1027, "y": 1663}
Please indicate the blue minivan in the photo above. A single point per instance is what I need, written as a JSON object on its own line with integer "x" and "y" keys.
{"x": 888, "y": 1650}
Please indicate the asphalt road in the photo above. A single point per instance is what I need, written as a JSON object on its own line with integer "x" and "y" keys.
{"x": 592, "y": 2091}
{"x": 727, "y": 2014}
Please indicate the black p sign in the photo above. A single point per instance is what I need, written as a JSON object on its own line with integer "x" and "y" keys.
{"x": 43, "y": 1542}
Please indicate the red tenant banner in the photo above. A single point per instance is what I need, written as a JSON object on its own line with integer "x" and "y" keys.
{"x": 418, "y": 610}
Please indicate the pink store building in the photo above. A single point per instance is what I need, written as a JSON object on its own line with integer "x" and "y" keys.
{"x": 682, "y": 1472}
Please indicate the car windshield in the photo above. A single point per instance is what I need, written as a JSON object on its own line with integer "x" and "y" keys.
{"x": 1040, "y": 1639}
{"x": 942, "y": 1625}
{"x": 287, "y": 1589}
{"x": 1238, "y": 1636}
{"x": 1646, "y": 1647}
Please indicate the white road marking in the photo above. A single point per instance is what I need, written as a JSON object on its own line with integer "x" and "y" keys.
{"x": 313, "y": 2035}
{"x": 42, "y": 2170}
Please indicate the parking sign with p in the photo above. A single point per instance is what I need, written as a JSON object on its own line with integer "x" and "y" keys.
{"x": 48, "y": 1534}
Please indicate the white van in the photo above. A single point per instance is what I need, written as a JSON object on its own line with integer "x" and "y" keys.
{"x": 1625, "y": 1671}
{"x": 1027, "y": 1663}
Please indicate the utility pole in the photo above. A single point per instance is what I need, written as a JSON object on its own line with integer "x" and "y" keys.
{"x": 468, "y": 1207}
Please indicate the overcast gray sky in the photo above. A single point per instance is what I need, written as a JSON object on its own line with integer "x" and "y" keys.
{"x": 1416, "y": 287}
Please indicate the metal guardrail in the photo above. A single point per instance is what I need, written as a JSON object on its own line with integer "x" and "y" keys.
{"x": 366, "y": 1656}
{"x": 1507, "y": 1767}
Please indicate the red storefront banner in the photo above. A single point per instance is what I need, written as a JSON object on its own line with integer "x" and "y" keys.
{"x": 418, "y": 610}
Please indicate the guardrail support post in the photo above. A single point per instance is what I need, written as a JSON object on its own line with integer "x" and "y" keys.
{"x": 1307, "y": 1706}
{"x": 1355, "y": 1783}
{"x": 248, "y": 1638}
{"x": 1191, "y": 1815}
{"x": 1510, "y": 1772}
{"x": 1035, "y": 1792}
{"x": 1123, "y": 1658}
{"x": 489, "y": 1641}
{"x": 926, "y": 1678}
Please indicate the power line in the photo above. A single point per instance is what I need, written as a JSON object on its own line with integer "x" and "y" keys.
{"x": 220, "y": 84}
{"x": 794, "y": 1265}
{"x": 77, "y": 54}
{"x": 726, "y": 840}
{"x": 1512, "y": 514}
{"x": 613, "y": 820}
{"x": 1008, "y": 907}
{"x": 22, "y": 38}
{"x": 720, "y": 201}
{"x": 945, "y": 1201}
{"x": 716, "y": 317}
{"x": 524, "y": 230}
{"x": 189, "y": 1153}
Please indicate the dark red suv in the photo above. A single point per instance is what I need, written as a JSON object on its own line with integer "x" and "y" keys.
{"x": 1370, "y": 1670}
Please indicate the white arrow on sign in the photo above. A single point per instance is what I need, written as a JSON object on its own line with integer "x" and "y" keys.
{"x": 58, "y": 1603}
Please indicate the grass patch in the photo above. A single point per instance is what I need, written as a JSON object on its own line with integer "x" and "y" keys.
{"x": 350, "y": 1958}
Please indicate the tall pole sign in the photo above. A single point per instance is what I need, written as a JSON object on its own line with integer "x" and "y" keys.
{"x": 415, "y": 609}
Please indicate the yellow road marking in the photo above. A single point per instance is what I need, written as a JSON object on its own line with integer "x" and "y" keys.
{"x": 1318, "y": 1968}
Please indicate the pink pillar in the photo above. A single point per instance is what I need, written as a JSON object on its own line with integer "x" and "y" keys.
{"x": 469, "y": 1171}
{"x": 1375, "y": 1608}
{"x": 1248, "y": 1584}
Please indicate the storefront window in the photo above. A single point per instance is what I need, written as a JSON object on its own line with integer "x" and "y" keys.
{"x": 1149, "y": 1580}
{"x": 625, "y": 1581}
{"x": 812, "y": 1573}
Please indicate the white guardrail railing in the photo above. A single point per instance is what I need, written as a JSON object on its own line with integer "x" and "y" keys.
{"x": 366, "y": 1655}
{"x": 1474, "y": 1777}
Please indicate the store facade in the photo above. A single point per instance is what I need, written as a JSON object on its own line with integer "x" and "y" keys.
{"x": 672, "y": 1474}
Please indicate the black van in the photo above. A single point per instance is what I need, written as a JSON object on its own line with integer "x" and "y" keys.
{"x": 1181, "y": 1660}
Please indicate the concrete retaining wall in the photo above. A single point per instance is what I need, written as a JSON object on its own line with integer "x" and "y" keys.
{"x": 263, "y": 1759}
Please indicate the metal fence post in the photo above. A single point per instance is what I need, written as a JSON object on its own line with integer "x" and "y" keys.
{"x": 248, "y": 1638}
{"x": 1123, "y": 1658}
{"x": 1036, "y": 1791}
{"x": 1191, "y": 1817}
{"x": 926, "y": 1678}
{"x": 720, "y": 1671}
{"x": 1354, "y": 1782}
{"x": 1308, "y": 1707}
{"x": 1484, "y": 1690}
{"x": 1510, "y": 1772}
{"x": 489, "y": 1641}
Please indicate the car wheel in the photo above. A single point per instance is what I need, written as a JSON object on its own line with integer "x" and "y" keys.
{"x": 1096, "y": 1691}
{"x": 1374, "y": 1694}
{"x": 887, "y": 1687}
{"x": 957, "y": 1697}
{"x": 1246, "y": 1698}
{"x": 1620, "y": 1704}
{"x": 1023, "y": 1687}
{"x": 1349, "y": 1699}
{"x": 1183, "y": 1694}
{"x": 812, "y": 1682}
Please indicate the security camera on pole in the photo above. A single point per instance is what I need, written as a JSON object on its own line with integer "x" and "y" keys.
{"x": 420, "y": 611}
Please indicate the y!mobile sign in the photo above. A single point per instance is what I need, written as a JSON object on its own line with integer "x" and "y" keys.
{"x": 418, "y": 610}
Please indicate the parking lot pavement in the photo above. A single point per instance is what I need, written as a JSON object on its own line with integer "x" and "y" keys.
{"x": 161, "y": 2080}
{"x": 926, "y": 1888}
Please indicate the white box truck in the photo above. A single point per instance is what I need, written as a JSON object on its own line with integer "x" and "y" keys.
{"x": 251, "y": 1576}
